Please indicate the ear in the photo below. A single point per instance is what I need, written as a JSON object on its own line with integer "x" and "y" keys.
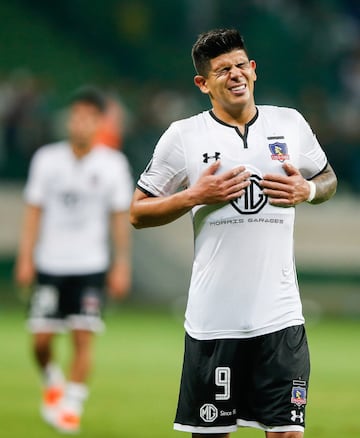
{"x": 200, "y": 82}
{"x": 253, "y": 68}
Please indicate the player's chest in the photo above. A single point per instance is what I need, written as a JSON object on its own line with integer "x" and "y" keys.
{"x": 75, "y": 185}
{"x": 265, "y": 150}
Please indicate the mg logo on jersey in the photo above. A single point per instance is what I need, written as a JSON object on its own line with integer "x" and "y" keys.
{"x": 208, "y": 413}
{"x": 208, "y": 157}
{"x": 253, "y": 199}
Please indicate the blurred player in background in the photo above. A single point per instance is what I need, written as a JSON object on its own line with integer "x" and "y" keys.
{"x": 77, "y": 199}
{"x": 242, "y": 168}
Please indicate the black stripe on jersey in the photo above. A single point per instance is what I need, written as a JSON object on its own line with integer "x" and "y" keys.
{"x": 321, "y": 171}
{"x": 246, "y": 129}
{"x": 146, "y": 191}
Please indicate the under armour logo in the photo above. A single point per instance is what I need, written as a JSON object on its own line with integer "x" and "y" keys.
{"x": 295, "y": 416}
{"x": 208, "y": 157}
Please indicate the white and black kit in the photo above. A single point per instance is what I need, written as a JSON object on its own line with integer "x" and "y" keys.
{"x": 243, "y": 283}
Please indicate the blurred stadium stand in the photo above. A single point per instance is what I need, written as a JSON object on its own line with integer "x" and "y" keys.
{"x": 308, "y": 56}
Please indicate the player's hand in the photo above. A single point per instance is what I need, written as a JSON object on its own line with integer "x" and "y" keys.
{"x": 119, "y": 280}
{"x": 24, "y": 272}
{"x": 24, "y": 275}
{"x": 213, "y": 188}
{"x": 286, "y": 190}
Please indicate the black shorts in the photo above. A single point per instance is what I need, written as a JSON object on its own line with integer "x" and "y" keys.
{"x": 259, "y": 382}
{"x": 59, "y": 302}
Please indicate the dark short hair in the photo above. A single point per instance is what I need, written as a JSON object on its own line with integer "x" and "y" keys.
{"x": 90, "y": 95}
{"x": 213, "y": 43}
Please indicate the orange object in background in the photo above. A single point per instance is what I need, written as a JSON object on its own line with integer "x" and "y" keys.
{"x": 110, "y": 132}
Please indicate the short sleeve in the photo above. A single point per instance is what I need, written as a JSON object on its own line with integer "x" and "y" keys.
{"x": 35, "y": 187}
{"x": 123, "y": 186}
{"x": 165, "y": 174}
{"x": 312, "y": 158}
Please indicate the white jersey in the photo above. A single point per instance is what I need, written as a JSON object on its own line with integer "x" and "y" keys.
{"x": 76, "y": 197}
{"x": 243, "y": 280}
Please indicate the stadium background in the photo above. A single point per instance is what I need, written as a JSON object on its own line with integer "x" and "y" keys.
{"x": 308, "y": 57}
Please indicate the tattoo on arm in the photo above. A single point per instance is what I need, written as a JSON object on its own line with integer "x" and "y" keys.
{"x": 326, "y": 184}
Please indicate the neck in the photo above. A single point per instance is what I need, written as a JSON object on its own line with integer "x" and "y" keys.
{"x": 236, "y": 117}
{"x": 80, "y": 150}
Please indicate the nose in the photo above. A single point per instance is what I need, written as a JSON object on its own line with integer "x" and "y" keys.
{"x": 235, "y": 72}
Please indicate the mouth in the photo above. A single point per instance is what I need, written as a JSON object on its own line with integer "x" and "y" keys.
{"x": 238, "y": 89}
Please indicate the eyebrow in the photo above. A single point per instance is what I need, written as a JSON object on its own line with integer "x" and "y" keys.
{"x": 225, "y": 65}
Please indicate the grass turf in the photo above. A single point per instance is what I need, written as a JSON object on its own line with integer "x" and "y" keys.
{"x": 134, "y": 385}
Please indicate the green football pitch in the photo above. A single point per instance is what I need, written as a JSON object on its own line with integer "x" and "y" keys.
{"x": 137, "y": 367}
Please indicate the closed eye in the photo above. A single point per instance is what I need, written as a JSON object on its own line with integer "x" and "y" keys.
{"x": 243, "y": 65}
{"x": 223, "y": 71}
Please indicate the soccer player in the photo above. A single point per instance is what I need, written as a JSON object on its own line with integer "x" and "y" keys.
{"x": 240, "y": 169}
{"x": 77, "y": 199}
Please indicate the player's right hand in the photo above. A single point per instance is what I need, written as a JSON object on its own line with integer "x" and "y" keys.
{"x": 24, "y": 273}
{"x": 213, "y": 187}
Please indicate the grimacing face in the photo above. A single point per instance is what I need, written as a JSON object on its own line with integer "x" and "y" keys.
{"x": 83, "y": 122}
{"x": 230, "y": 81}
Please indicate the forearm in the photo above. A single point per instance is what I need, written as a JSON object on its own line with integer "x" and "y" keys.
{"x": 326, "y": 184}
{"x": 156, "y": 211}
{"x": 210, "y": 188}
{"x": 119, "y": 274}
{"x": 120, "y": 237}
{"x": 25, "y": 268}
{"x": 29, "y": 232}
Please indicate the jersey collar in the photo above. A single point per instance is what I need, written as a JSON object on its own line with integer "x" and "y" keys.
{"x": 247, "y": 125}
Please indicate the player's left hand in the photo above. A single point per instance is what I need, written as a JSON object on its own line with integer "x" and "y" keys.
{"x": 286, "y": 190}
